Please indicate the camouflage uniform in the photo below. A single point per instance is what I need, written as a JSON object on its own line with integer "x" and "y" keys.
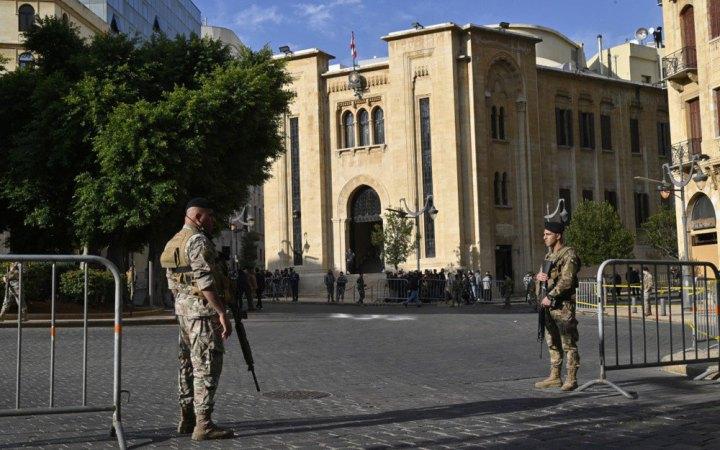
{"x": 12, "y": 291}
{"x": 560, "y": 322}
{"x": 200, "y": 340}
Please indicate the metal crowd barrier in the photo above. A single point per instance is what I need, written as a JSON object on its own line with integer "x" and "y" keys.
{"x": 644, "y": 340}
{"x": 117, "y": 428}
{"x": 432, "y": 290}
{"x": 585, "y": 296}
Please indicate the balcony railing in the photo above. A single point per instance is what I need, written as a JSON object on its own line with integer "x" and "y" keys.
{"x": 686, "y": 149}
{"x": 677, "y": 64}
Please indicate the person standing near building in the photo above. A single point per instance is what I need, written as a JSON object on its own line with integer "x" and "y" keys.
{"x": 294, "y": 285}
{"x": 413, "y": 285}
{"x": 329, "y": 281}
{"x": 252, "y": 288}
{"x": 487, "y": 287}
{"x": 260, "y": 280}
{"x": 12, "y": 292}
{"x": 529, "y": 282}
{"x": 275, "y": 286}
{"x": 507, "y": 288}
{"x": 361, "y": 288}
{"x": 196, "y": 282}
{"x": 561, "y": 333}
{"x": 341, "y": 282}
{"x": 648, "y": 288}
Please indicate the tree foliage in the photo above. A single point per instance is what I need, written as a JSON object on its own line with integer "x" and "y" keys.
{"x": 394, "y": 237}
{"x": 597, "y": 233}
{"x": 660, "y": 232}
{"x": 249, "y": 243}
{"x": 102, "y": 142}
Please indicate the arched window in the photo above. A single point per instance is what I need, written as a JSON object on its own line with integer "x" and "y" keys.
{"x": 113, "y": 25}
{"x": 378, "y": 118}
{"x": 348, "y": 130}
{"x": 26, "y": 60}
{"x": 65, "y": 18}
{"x": 501, "y": 124}
{"x": 503, "y": 189}
{"x": 26, "y": 17}
{"x": 493, "y": 123}
{"x": 496, "y": 188}
{"x": 364, "y": 127}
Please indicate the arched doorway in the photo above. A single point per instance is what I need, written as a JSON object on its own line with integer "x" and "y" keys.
{"x": 703, "y": 229}
{"x": 364, "y": 217}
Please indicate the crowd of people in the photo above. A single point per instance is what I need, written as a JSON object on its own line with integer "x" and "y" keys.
{"x": 337, "y": 287}
{"x": 254, "y": 285}
{"x": 456, "y": 287}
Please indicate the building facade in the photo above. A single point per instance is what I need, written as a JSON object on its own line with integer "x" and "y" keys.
{"x": 692, "y": 30}
{"x": 132, "y": 17}
{"x": 472, "y": 116}
{"x": 145, "y": 17}
{"x": 18, "y": 16}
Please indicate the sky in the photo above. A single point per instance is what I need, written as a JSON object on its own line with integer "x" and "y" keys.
{"x": 326, "y": 24}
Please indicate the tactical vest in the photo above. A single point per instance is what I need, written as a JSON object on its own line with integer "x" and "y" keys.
{"x": 174, "y": 255}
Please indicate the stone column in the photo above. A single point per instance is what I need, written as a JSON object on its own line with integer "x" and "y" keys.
{"x": 524, "y": 186}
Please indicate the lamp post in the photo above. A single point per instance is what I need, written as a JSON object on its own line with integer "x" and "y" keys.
{"x": 670, "y": 185}
{"x": 428, "y": 208}
{"x": 241, "y": 221}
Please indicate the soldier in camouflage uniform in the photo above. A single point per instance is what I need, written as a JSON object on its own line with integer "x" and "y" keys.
{"x": 198, "y": 285}
{"x": 560, "y": 322}
{"x": 12, "y": 291}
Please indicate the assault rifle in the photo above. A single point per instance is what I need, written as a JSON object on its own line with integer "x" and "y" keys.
{"x": 238, "y": 315}
{"x": 547, "y": 267}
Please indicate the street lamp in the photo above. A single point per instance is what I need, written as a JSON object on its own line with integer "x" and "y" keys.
{"x": 670, "y": 185}
{"x": 428, "y": 208}
{"x": 242, "y": 221}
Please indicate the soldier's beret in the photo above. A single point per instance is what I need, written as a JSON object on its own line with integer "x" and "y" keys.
{"x": 198, "y": 202}
{"x": 555, "y": 227}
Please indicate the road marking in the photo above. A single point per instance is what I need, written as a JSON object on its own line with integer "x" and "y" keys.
{"x": 388, "y": 317}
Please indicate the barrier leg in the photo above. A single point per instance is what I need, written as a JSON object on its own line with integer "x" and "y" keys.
{"x": 626, "y": 394}
{"x": 118, "y": 432}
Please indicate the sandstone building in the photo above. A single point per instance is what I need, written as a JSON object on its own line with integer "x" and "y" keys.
{"x": 17, "y": 17}
{"x": 494, "y": 122}
{"x": 692, "y": 69}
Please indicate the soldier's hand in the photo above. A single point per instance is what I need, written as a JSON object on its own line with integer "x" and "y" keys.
{"x": 546, "y": 302}
{"x": 541, "y": 277}
{"x": 227, "y": 329}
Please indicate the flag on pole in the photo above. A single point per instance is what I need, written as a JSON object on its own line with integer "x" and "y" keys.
{"x": 353, "y": 49}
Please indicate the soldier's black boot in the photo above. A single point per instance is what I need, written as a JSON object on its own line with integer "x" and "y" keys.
{"x": 187, "y": 419}
{"x": 205, "y": 429}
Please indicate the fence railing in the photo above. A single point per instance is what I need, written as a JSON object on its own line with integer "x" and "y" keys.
{"x": 686, "y": 291}
{"x": 439, "y": 290}
{"x": 84, "y": 406}
{"x": 679, "y": 61}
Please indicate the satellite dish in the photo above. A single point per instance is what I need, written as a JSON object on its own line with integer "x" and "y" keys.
{"x": 641, "y": 34}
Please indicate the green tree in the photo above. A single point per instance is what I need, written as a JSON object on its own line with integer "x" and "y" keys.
{"x": 103, "y": 142}
{"x": 597, "y": 234}
{"x": 660, "y": 232}
{"x": 394, "y": 238}
{"x": 249, "y": 245}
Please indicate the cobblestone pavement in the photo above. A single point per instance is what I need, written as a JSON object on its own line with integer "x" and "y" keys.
{"x": 430, "y": 377}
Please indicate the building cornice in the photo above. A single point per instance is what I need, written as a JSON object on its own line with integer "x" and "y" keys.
{"x": 301, "y": 54}
{"x": 598, "y": 77}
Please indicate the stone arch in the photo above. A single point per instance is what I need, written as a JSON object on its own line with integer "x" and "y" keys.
{"x": 503, "y": 76}
{"x": 702, "y": 224}
{"x": 342, "y": 207}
